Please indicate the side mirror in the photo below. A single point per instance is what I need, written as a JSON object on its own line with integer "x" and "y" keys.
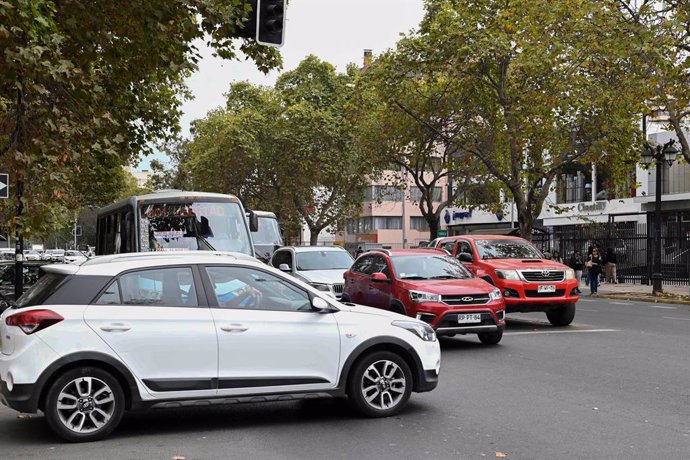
{"x": 321, "y": 305}
{"x": 253, "y": 221}
{"x": 284, "y": 268}
{"x": 465, "y": 257}
{"x": 379, "y": 278}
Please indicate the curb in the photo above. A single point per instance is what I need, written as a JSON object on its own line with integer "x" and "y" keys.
{"x": 640, "y": 298}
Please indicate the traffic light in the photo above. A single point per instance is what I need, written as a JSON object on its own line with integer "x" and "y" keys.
{"x": 270, "y": 22}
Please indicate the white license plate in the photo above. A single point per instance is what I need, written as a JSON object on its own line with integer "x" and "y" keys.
{"x": 465, "y": 318}
{"x": 546, "y": 288}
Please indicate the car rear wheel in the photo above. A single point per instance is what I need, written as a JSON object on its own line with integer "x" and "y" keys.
{"x": 490, "y": 338}
{"x": 380, "y": 384}
{"x": 561, "y": 316}
{"x": 84, "y": 404}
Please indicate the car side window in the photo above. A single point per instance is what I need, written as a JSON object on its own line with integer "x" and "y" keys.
{"x": 282, "y": 257}
{"x": 379, "y": 265}
{"x": 111, "y": 296}
{"x": 448, "y": 246}
{"x": 170, "y": 287}
{"x": 251, "y": 289}
{"x": 362, "y": 265}
{"x": 464, "y": 246}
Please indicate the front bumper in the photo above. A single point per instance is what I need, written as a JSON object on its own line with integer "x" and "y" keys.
{"x": 428, "y": 380}
{"x": 520, "y": 296}
{"x": 446, "y": 320}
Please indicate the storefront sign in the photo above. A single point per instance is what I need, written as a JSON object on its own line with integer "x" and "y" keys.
{"x": 599, "y": 206}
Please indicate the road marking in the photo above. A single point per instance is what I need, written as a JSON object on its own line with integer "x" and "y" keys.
{"x": 585, "y": 300}
{"x": 663, "y": 308}
{"x": 621, "y": 303}
{"x": 560, "y": 332}
{"x": 586, "y": 309}
{"x": 671, "y": 317}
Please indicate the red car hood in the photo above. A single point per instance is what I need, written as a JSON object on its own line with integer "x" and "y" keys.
{"x": 450, "y": 287}
{"x": 522, "y": 264}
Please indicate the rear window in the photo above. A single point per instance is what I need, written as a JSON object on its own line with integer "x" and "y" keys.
{"x": 39, "y": 292}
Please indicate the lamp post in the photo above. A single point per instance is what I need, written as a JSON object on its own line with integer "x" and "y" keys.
{"x": 657, "y": 155}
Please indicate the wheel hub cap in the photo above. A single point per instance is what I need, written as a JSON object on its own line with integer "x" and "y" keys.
{"x": 383, "y": 384}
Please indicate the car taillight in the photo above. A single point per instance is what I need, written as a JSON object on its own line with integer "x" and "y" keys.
{"x": 34, "y": 320}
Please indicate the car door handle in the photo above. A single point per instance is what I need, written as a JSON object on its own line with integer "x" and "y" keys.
{"x": 116, "y": 327}
{"x": 234, "y": 328}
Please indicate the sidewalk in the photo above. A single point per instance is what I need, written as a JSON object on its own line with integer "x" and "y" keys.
{"x": 642, "y": 292}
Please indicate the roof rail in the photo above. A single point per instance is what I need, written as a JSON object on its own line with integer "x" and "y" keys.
{"x": 385, "y": 251}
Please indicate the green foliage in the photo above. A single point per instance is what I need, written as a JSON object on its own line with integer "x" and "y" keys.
{"x": 528, "y": 87}
{"x": 288, "y": 149}
{"x": 83, "y": 93}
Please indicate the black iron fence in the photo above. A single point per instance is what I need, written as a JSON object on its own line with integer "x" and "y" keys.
{"x": 633, "y": 245}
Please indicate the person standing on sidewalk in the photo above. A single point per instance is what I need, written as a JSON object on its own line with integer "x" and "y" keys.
{"x": 575, "y": 262}
{"x": 594, "y": 266}
{"x": 611, "y": 266}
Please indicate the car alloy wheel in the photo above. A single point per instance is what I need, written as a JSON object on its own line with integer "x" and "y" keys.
{"x": 383, "y": 384}
{"x": 85, "y": 405}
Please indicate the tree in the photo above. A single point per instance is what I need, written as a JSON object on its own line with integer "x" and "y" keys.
{"x": 84, "y": 93}
{"x": 536, "y": 86}
{"x": 411, "y": 117}
{"x": 663, "y": 30}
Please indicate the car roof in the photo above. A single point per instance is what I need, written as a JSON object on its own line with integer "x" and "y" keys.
{"x": 314, "y": 248}
{"x": 484, "y": 237}
{"x": 114, "y": 264}
{"x": 407, "y": 252}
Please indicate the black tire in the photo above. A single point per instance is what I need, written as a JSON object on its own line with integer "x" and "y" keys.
{"x": 358, "y": 382}
{"x": 345, "y": 298}
{"x": 490, "y": 338}
{"x": 101, "y": 386}
{"x": 561, "y": 316}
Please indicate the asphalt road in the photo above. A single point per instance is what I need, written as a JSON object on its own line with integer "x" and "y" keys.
{"x": 615, "y": 385}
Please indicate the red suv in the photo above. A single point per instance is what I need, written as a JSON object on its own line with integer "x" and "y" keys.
{"x": 428, "y": 285}
{"x": 527, "y": 280}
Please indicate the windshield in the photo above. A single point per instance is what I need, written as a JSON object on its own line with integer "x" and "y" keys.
{"x": 323, "y": 260}
{"x": 428, "y": 267}
{"x": 268, "y": 232}
{"x": 197, "y": 225}
{"x": 506, "y": 249}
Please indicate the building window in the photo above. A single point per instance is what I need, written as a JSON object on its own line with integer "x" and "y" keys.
{"x": 575, "y": 185}
{"x": 419, "y": 223}
{"x": 416, "y": 194}
{"x": 371, "y": 224}
{"x": 382, "y": 193}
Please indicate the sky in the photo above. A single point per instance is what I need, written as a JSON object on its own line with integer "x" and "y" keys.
{"x": 336, "y": 31}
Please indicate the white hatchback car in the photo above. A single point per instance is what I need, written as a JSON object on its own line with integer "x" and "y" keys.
{"x": 134, "y": 331}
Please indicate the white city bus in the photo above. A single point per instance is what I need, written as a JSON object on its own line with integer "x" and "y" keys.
{"x": 175, "y": 221}
{"x": 267, "y": 237}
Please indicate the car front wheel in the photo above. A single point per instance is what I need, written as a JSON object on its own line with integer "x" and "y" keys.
{"x": 562, "y": 316}
{"x": 84, "y": 404}
{"x": 380, "y": 384}
{"x": 490, "y": 338}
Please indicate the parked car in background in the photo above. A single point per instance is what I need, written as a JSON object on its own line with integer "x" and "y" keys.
{"x": 32, "y": 255}
{"x": 320, "y": 266}
{"x": 32, "y": 272}
{"x": 7, "y": 254}
{"x": 528, "y": 281}
{"x": 428, "y": 285}
{"x": 54, "y": 255}
{"x": 74, "y": 257}
{"x": 156, "y": 330}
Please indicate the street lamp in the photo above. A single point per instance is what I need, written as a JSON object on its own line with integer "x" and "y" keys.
{"x": 657, "y": 154}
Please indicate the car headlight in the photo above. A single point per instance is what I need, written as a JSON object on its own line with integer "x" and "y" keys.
{"x": 421, "y": 296}
{"x": 570, "y": 274}
{"x": 421, "y": 330}
{"x": 321, "y": 287}
{"x": 495, "y": 294}
{"x": 508, "y": 274}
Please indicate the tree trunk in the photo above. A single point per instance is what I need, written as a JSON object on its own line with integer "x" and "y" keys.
{"x": 314, "y": 236}
{"x": 433, "y": 220}
{"x": 525, "y": 222}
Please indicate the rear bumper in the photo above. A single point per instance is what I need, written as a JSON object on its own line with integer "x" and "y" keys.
{"x": 22, "y": 398}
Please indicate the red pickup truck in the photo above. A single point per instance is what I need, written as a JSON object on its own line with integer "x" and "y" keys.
{"x": 527, "y": 280}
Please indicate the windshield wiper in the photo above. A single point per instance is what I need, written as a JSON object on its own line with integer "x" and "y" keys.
{"x": 416, "y": 277}
{"x": 445, "y": 277}
{"x": 201, "y": 239}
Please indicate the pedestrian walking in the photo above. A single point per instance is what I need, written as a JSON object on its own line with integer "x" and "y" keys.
{"x": 594, "y": 266}
{"x": 577, "y": 264}
{"x": 359, "y": 251}
{"x": 611, "y": 260}
{"x": 586, "y": 268}
{"x": 556, "y": 257}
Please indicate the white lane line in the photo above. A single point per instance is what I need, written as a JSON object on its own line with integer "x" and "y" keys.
{"x": 663, "y": 308}
{"x": 560, "y": 332}
{"x": 671, "y": 317}
{"x": 586, "y": 309}
{"x": 621, "y": 303}
{"x": 585, "y": 300}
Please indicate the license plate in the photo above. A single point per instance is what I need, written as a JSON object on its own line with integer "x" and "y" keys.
{"x": 465, "y": 318}
{"x": 546, "y": 288}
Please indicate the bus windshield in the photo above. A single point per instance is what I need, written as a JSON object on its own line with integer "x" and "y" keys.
{"x": 268, "y": 232}
{"x": 194, "y": 225}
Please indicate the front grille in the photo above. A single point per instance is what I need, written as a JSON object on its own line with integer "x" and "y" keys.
{"x": 469, "y": 299}
{"x": 558, "y": 293}
{"x": 543, "y": 275}
{"x": 451, "y": 320}
{"x": 338, "y": 288}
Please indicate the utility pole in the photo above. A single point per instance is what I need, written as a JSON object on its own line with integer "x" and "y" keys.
{"x": 19, "y": 245}
{"x": 404, "y": 219}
